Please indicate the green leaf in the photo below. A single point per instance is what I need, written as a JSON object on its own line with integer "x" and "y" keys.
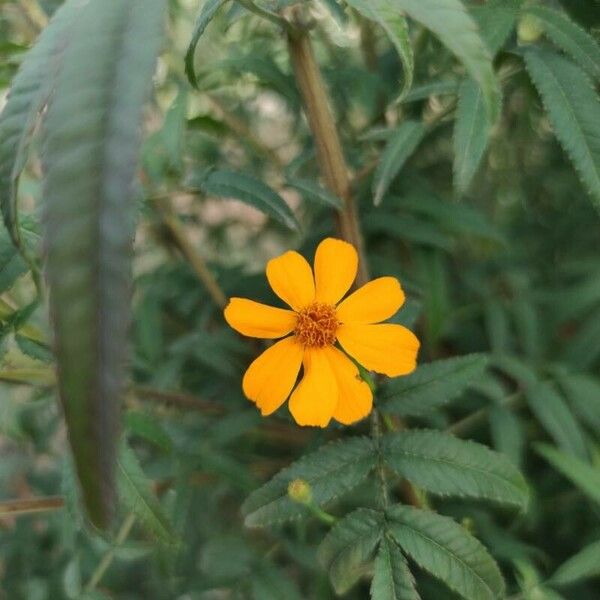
{"x": 398, "y": 150}
{"x": 432, "y": 385}
{"x": 574, "y": 111}
{"x": 444, "y": 465}
{"x": 29, "y": 93}
{"x": 392, "y": 579}
{"x": 444, "y": 549}
{"x": 582, "y": 474}
{"x": 496, "y": 19}
{"x": 146, "y": 426}
{"x": 556, "y": 418}
{"x": 507, "y": 433}
{"x": 228, "y": 184}
{"x": 207, "y": 12}
{"x": 90, "y": 148}
{"x": 136, "y": 494}
{"x": 348, "y": 547}
{"x": 471, "y": 134}
{"x": 583, "y": 565}
{"x": 583, "y": 394}
{"x": 330, "y": 471}
{"x": 457, "y": 30}
{"x": 388, "y": 15}
{"x": 269, "y": 583}
{"x": 569, "y": 36}
{"x": 313, "y": 192}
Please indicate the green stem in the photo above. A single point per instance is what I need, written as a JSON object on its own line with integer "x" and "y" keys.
{"x": 384, "y": 497}
{"x": 264, "y": 13}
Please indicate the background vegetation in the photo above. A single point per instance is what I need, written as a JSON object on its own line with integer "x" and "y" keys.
{"x": 471, "y": 137}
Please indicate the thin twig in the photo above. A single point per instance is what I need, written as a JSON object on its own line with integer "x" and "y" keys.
{"x": 30, "y": 505}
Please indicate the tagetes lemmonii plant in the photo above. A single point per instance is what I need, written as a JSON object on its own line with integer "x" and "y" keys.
{"x": 331, "y": 386}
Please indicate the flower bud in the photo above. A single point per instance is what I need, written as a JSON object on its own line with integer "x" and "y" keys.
{"x": 529, "y": 30}
{"x": 299, "y": 491}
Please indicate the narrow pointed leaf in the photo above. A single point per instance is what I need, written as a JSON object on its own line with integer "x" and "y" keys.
{"x": 228, "y": 184}
{"x": 432, "y": 385}
{"x": 495, "y": 19}
{"x": 313, "y": 192}
{"x": 392, "y": 579}
{"x": 569, "y": 36}
{"x": 207, "y": 12}
{"x": 445, "y": 549}
{"x": 92, "y": 133}
{"x": 574, "y": 111}
{"x": 583, "y": 565}
{"x": 330, "y": 471}
{"x": 388, "y": 15}
{"x": 398, "y": 150}
{"x": 445, "y": 465}
{"x": 348, "y": 547}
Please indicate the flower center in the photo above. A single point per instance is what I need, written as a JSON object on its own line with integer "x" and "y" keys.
{"x": 316, "y": 325}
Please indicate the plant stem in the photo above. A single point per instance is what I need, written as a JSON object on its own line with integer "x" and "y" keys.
{"x": 329, "y": 149}
{"x": 109, "y": 556}
{"x": 177, "y": 231}
{"x": 381, "y": 476}
{"x": 30, "y": 505}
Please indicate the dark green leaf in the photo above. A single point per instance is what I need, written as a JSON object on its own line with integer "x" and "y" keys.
{"x": 445, "y": 465}
{"x": 330, "y": 471}
{"x": 432, "y": 385}
{"x": 447, "y": 551}
{"x": 348, "y": 547}
{"x": 392, "y": 579}
{"x": 496, "y": 19}
{"x": 91, "y": 143}
{"x": 313, "y": 192}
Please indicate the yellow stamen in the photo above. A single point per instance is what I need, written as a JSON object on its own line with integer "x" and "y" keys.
{"x": 317, "y": 325}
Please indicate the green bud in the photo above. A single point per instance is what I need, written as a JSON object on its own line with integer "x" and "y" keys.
{"x": 299, "y": 491}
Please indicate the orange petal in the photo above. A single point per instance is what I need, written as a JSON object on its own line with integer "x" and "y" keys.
{"x": 271, "y": 377}
{"x": 336, "y": 263}
{"x": 316, "y": 396}
{"x": 375, "y": 301}
{"x": 385, "y": 348}
{"x": 355, "y": 399}
{"x": 259, "y": 320}
{"x": 291, "y": 278}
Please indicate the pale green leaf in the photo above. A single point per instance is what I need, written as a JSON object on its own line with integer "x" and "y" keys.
{"x": 585, "y": 476}
{"x": 330, "y": 471}
{"x": 457, "y": 30}
{"x": 136, "y": 494}
{"x": 388, "y": 15}
{"x": 583, "y": 565}
{"x": 91, "y": 141}
{"x": 392, "y": 579}
{"x": 207, "y": 12}
{"x": 445, "y": 549}
{"x": 569, "y": 36}
{"x": 432, "y": 385}
{"x": 228, "y": 184}
{"x": 443, "y": 464}
{"x": 471, "y": 134}
{"x": 554, "y": 414}
{"x": 397, "y": 151}
{"x": 574, "y": 111}
{"x": 348, "y": 547}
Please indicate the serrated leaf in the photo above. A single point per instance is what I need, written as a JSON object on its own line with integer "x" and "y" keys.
{"x": 29, "y": 93}
{"x": 91, "y": 140}
{"x": 445, "y": 549}
{"x": 392, "y": 579}
{"x": 582, "y": 474}
{"x": 556, "y": 418}
{"x": 388, "y": 15}
{"x": 442, "y": 87}
{"x": 330, "y": 471}
{"x": 471, "y": 134}
{"x": 574, "y": 111}
{"x": 444, "y": 465}
{"x": 457, "y": 30}
{"x": 207, "y": 12}
{"x": 228, "y": 184}
{"x": 496, "y": 19}
{"x": 397, "y": 151}
{"x": 432, "y": 385}
{"x": 583, "y": 565}
{"x": 569, "y": 36}
{"x": 136, "y": 494}
{"x": 507, "y": 433}
{"x": 313, "y": 192}
{"x": 348, "y": 547}
{"x": 269, "y": 583}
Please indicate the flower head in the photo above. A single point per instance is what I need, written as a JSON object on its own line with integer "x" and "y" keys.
{"x": 331, "y": 386}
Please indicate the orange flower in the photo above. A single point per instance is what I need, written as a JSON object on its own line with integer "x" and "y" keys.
{"x": 331, "y": 386}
